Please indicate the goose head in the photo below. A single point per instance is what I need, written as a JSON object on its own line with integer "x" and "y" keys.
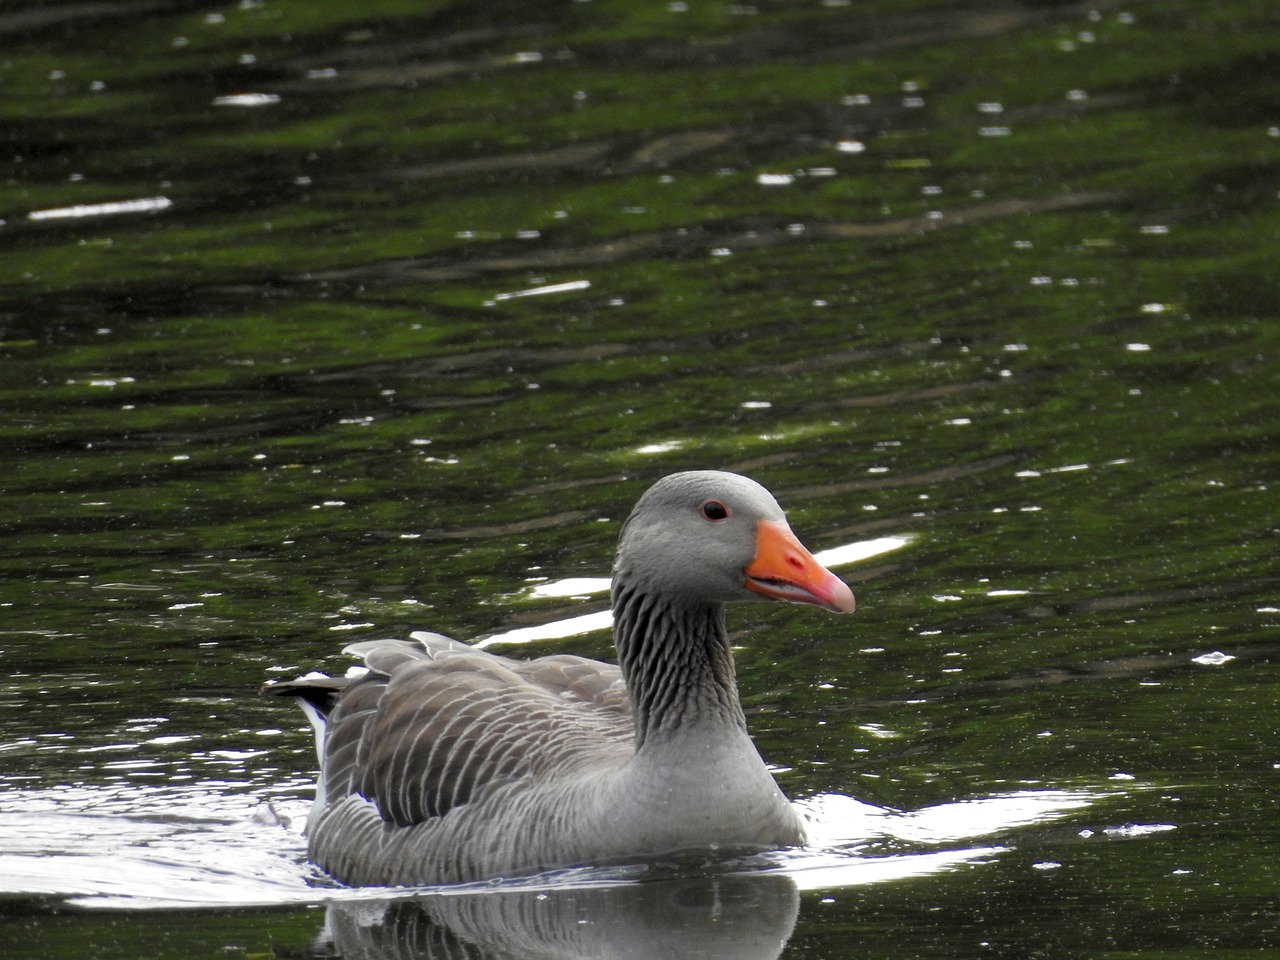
{"x": 711, "y": 536}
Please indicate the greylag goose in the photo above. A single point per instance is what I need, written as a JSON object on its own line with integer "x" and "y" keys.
{"x": 442, "y": 763}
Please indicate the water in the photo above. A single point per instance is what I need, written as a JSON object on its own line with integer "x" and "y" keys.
{"x": 322, "y": 324}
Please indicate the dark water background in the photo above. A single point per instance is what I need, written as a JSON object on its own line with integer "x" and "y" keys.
{"x": 326, "y": 321}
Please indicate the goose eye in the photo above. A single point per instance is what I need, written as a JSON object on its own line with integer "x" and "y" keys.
{"x": 715, "y": 510}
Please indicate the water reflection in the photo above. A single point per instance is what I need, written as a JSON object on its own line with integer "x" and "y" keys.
{"x": 204, "y": 846}
{"x": 1013, "y": 317}
{"x": 115, "y": 208}
{"x": 743, "y": 916}
{"x": 603, "y": 619}
{"x": 832, "y": 820}
{"x": 145, "y": 846}
{"x": 204, "y": 850}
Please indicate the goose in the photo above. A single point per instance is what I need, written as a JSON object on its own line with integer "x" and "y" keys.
{"x": 441, "y": 763}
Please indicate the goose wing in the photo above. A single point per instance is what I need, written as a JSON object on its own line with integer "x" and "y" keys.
{"x": 434, "y": 723}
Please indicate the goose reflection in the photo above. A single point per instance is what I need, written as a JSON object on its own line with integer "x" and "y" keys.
{"x": 741, "y": 916}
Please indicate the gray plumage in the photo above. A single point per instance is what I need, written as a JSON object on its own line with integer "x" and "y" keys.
{"x": 443, "y": 763}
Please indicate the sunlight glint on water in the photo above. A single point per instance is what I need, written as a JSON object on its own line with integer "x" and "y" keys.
{"x": 586, "y": 586}
{"x": 200, "y": 847}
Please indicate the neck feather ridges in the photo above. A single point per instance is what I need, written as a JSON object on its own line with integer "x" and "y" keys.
{"x": 677, "y": 665}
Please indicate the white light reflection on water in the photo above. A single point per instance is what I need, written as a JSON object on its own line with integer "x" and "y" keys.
{"x": 833, "y": 820}
{"x": 835, "y": 871}
{"x": 603, "y": 619}
{"x": 247, "y": 100}
{"x": 556, "y": 629}
{"x": 114, "y": 208}
{"x": 862, "y": 550}
{"x": 545, "y": 289}
{"x": 838, "y": 826}
{"x": 665, "y": 446}
{"x": 144, "y": 846}
{"x": 569, "y": 587}
{"x": 166, "y": 846}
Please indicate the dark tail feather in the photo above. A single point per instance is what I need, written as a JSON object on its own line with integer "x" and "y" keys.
{"x": 321, "y": 692}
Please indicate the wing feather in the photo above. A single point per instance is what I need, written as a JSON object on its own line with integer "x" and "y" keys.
{"x": 436, "y": 724}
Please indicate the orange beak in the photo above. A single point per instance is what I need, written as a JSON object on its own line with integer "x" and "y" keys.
{"x": 784, "y": 570}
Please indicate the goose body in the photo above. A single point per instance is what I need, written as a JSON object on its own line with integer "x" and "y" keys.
{"x": 442, "y": 763}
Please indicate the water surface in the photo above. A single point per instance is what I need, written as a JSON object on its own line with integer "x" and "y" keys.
{"x": 323, "y": 323}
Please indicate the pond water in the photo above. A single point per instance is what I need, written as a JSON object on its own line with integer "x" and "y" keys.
{"x": 324, "y": 322}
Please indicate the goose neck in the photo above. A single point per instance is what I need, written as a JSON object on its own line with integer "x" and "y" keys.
{"x": 678, "y": 667}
